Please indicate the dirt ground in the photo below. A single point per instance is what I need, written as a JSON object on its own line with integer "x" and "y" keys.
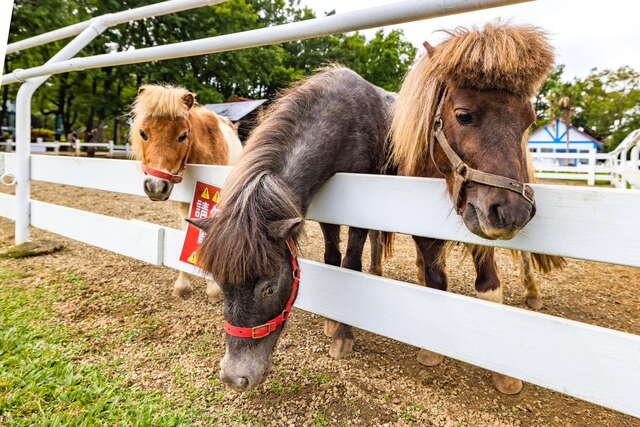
{"x": 159, "y": 343}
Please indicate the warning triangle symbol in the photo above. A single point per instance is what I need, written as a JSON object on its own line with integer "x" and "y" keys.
{"x": 215, "y": 196}
{"x": 192, "y": 258}
{"x": 205, "y": 194}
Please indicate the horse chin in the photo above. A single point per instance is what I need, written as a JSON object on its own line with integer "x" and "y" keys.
{"x": 478, "y": 224}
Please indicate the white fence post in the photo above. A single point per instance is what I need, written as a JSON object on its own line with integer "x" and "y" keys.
{"x": 592, "y": 167}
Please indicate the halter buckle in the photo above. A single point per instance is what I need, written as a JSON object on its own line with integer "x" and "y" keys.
{"x": 256, "y": 335}
{"x": 526, "y": 190}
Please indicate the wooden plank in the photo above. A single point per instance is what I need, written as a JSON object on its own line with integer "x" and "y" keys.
{"x": 412, "y": 206}
{"x": 7, "y": 203}
{"x": 135, "y": 239}
{"x": 563, "y": 176}
{"x": 122, "y": 176}
{"x": 560, "y": 156}
{"x": 631, "y": 175}
{"x": 592, "y": 363}
{"x": 421, "y": 206}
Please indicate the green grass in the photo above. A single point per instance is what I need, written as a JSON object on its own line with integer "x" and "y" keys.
{"x": 43, "y": 381}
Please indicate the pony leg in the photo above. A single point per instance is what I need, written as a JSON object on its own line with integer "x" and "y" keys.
{"x": 332, "y": 256}
{"x": 182, "y": 287}
{"x": 342, "y": 342}
{"x": 214, "y": 293}
{"x": 420, "y": 266}
{"x": 489, "y": 287}
{"x": 430, "y": 263}
{"x": 376, "y": 252}
{"x": 530, "y": 282}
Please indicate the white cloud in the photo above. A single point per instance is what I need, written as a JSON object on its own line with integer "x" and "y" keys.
{"x": 585, "y": 33}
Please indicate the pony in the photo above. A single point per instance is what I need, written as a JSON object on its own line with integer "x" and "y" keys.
{"x": 334, "y": 121}
{"x": 168, "y": 131}
{"x": 463, "y": 113}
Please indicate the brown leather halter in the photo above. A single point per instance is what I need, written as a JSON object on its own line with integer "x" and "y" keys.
{"x": 463, "y": 173}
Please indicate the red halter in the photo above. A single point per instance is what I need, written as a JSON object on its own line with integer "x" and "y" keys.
{"x": 265, "y": 329}
{"x": 176, "y": 179}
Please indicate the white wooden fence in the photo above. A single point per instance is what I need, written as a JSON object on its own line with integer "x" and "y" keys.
{"x": 593, "y": 363}
{"x": 620, "y": 167}
{"x": 112, "y": 150}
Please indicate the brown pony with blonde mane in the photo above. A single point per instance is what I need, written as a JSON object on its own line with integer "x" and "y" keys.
{"x": 170, "y": 130}
{"x": 473, "y": 92}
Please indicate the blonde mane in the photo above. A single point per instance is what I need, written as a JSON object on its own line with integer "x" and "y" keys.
{"x": 514, "y": 59}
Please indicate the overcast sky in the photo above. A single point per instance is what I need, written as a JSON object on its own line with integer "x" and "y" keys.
{"x": 585, "y": 33}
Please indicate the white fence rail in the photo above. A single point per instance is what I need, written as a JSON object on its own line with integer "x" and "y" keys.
{"x": 596, "y": 364}
{"x": 621, "y": 167}
{"x": 112, "y": 149}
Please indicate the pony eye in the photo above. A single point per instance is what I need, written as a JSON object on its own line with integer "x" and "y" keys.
{"x": 182, "y": 137}
{"x": 464, "y": 118}
{"x": 143, "y": 135}
{"x": 267, "y": 292}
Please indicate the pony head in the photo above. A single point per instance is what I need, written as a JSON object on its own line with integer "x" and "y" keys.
{"x": 484, "y": 114}
{"x": 161, "y": 136}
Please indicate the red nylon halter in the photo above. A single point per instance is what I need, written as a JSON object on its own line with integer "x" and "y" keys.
{"x": 265, "y": 329}
{"x": 176, "y": 179}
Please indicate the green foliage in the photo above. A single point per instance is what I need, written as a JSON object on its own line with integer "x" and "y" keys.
{"x": 606, "y": 104}
{"x": 99, "y": 98}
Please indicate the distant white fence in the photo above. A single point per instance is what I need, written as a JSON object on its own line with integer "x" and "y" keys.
{"x": 112, "y": 150}
{"x": 620, "y": 167}
{"x": 596, "y": 364}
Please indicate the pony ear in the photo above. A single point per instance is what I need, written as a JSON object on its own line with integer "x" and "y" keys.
{"x": 201, "y": 223}
{"x": 430, "y": 49}
{"x": 189, "y": 99}
{"x": 285, "y": 228}
{"x": 141, "y": 89}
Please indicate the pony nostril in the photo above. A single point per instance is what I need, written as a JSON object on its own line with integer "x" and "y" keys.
{"x": 164, "y": 187}
{"x": 243, "y": 382}
{"x": 147, "y": 186}
{"x": 498, "y": 215}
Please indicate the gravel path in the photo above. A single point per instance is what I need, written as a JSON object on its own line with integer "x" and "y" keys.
{"x": 159, "y": 343}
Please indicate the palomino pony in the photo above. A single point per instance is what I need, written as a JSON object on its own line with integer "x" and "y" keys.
{"x": 169, "y": 130}
{"x": 335, "y": 121}
{"x": 462, "y": 113}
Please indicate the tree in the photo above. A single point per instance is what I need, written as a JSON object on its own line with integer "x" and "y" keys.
{"x": 100, "y": 97}
{"x": 606, "y": 103}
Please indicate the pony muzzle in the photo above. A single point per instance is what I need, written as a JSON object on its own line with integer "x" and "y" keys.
{"x": 157, "y": 189}
{"x": 494, "y": 213}
{"x": 247, "y": 369}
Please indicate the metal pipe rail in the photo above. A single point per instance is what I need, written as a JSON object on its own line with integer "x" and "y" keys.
{"x": 117, "y": 18}
{"x": 406, "y": 11}
{"x": 25, "y": 93}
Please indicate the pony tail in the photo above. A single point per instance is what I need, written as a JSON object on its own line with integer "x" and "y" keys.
{"x": 387, "y": 240}
{"x": 546, "y": 263}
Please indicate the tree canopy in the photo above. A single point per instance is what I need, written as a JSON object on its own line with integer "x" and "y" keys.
{"x": 605, "y": 104}
{"x": 100, "y": 97}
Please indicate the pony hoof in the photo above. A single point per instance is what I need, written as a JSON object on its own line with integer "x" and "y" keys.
{"x": 429, "y": 358}
{"x": 376, "y": 271}
{"x": 214, "y": 293}
{"x": 330, "y": 327}
{"x": 505, "y": 384}
{"x": 183, "y": 293}
{"x": 340, "y": 347}
{"x": 534, "y": 302}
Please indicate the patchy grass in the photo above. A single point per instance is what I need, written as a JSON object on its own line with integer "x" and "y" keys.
{"x": 43, "y": 383}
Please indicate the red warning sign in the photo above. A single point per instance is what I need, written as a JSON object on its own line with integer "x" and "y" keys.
{"x": 205, "y": 198}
